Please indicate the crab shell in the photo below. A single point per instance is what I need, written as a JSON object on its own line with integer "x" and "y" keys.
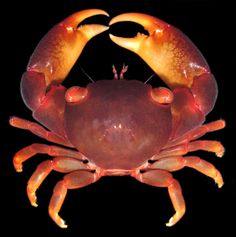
{"x": 118, "y": 126}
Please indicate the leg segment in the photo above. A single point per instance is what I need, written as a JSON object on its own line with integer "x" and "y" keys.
{"x": 182, "y": 149}
{"x": 38, "y": 130}
{"x": 29, "y": 151}
{"x": 187, "y": 143}
{"x": 161, "y": 178}
{"x": 212, "y": 146}
{"x": 177, "y": 163}
{"x": 76, "y": 179}
{"x": 198, "y": 132}
{"x": 61, "y": 164}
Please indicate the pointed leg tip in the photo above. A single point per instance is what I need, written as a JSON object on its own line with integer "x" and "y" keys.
{"x": 219, "y": 180}
{"x": 219, "y": 149}
{"x": 220, "y": 154}
{"x": 175, "y": 218}
{"x": 32, "y": 197}
{"x": 170, "y": 222}
{"x": 17, "y": 165}
{"x": 34, "y": 204}
{"x": 33, "y": 201}
{"x": 220, "y": 184}
{"x": 18, "y": 169}
{"x": 61, "y": 223}
{"x": 64, "y": 226}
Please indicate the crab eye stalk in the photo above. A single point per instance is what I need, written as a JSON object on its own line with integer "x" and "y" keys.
{"x": 162, "y": 95}
{"x": 76, "y": 94}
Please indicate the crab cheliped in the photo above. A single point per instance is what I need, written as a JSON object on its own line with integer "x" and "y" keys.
{"x": 118, "y": 127}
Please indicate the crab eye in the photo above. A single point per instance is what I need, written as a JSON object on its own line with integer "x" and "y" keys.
{"x": 162, "y": 95}
{"x": 76, "y": 94}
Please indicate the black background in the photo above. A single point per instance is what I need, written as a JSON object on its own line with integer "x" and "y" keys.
{"x": 117, "y": 205}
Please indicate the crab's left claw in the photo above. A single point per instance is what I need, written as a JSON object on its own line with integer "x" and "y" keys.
{"x": 178, "y": 62}
{"x": 172, "y": 56}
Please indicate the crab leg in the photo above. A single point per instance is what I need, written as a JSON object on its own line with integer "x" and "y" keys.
{"x": 76, "y": 179}
{"x": 29, "y": 151}
{"x": 61, "y": 164}
{"x": 177, "y": 163}
{"x": 183, "y": 145}
{"x": 38, "y": 130}
{"x": 198, "y": 132}
{"x": 182, "y": 149}
{"x": 161, "y": 178}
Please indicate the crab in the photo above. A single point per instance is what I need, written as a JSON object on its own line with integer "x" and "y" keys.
{"x": 118, "y": 127}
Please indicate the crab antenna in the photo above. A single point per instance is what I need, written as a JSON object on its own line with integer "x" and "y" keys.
{"x": 86, "y": 74}
{"x": 149, "y": 78}
{"x": 124, "y": 69}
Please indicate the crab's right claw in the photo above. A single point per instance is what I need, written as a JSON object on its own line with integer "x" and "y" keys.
{"x": 56, "y": 53}
{"x": 172, "y": 56}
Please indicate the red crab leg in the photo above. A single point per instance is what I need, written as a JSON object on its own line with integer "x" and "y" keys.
{"x": 211, "y": 146}
{"x": 29, "y": 151}
{"x": 61, "y": 164}
{"x": 198, "y": 132}
{"x": 76, "y": 179}
{"x": 161, "y": 178}
{"x": 177, "y": 163}
{"x": 38, "y": 130}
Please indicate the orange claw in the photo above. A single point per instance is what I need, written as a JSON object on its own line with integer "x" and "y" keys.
{"x": 59, "y": 49}
{"x": 166, "y": 50}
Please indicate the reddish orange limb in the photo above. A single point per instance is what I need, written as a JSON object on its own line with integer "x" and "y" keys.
{"x": 61, "y": 164}
{"x": 212, "y": 146}
{"x": 29, "y": 151}
{"x": 76, "y": 179}
{"x": 205, "y": 145}
{"x": 177, "y": 163}
{"x": 58, "y": 197}
{"x": 197, "y": 132}
{"x": 161, "y": 178}
{"x": 36, "y": 180}
{"x": 38, "y": 130}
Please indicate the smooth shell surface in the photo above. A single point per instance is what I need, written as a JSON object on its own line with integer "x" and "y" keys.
{"x": 118, "y": 125}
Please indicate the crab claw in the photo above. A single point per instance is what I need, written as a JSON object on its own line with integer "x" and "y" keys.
{"x": 172, "y": 56}
{"x": 57, "y": 52}
{"x": 49, "y": 65}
